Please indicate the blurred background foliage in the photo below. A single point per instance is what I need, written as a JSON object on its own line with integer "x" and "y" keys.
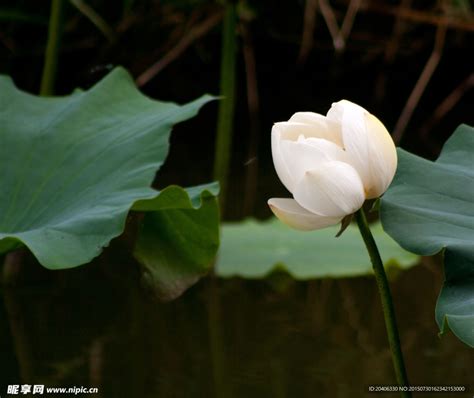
{"x": 407, "y": 61}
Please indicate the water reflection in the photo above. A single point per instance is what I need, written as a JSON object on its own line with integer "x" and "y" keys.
{"x": 97, "y": 326}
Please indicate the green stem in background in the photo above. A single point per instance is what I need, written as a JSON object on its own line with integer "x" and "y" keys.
{"x": 386, "y": 298}
{"x": 227, "y": 104}
{"x": 216, "y": 341}
{"x": 52, "y": 48}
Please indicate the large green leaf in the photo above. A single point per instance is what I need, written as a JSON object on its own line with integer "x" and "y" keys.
{"x": 178, "y": 241}
{"x": 430, "y": 207}
{"x": 173, "y": 197}
{"x": 253, "y": 249}
{"x": 72, "y": 167}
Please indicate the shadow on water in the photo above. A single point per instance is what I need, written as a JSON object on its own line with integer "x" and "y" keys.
{"x": 98, "y": 326}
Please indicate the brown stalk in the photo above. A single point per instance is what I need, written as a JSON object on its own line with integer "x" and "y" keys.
{"x": 17, "y": 316}
{"x": 339, "y": 35}
{"x": 420, "y": 16}
{"x": 331, "y": 22}
{"x": 421, "y": 84}
{"x": 349, "y": 18}
{"x": 308, "y": 30}
{"x": 446, "y": 105}
{"x": 392, "y": 47}
{"x": 96, "y": 19}
{"x": 96, "y": 364}
{"x": 194, "y": 34}
{"x": 398, "y": 29}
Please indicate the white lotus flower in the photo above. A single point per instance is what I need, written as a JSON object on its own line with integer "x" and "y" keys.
{"x": 330, "y": 164}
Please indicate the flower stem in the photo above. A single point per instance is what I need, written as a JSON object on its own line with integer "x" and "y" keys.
{"x": 52, "y": 48}
{"x": 387, "y": 304}
{"x": 226, "y": 107}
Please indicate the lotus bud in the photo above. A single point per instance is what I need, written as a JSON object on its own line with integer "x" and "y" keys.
{"x": 331, "y": 164}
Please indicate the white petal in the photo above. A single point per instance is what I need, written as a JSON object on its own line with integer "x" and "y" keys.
{"x": 290, "y": 131}
{"x": 338, "y": 108}
{"x": 314, "y": 125}
{"x": 370, "y": 146}
{"x": 307, "y": 117}
{"x": 356, "y": 140}
{"x": 382, "y": 156}
{"x": 308, "y": 154}
{"x": 292, "y": 214}
{"x": 278, "y": 160}
{"x": 334, "y": 189}
{"x": 322, "y": 126}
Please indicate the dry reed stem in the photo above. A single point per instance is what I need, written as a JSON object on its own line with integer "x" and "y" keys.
{"x": 308, "y": 30}
{"x": 349, "y": 18}
{"x": 391, "y": 49}
{"x": 421, "y": 84}
{"x": 331, "y": 22}
{"x": 446, "y": 105}
{"x": 339, "y": 35}
{"x": 96, "y": 19}
{"x": 421, "y": 16}
{"x": 194, "y": 34}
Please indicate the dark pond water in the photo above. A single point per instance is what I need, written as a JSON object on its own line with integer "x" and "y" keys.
{"x": 99, "y": 326}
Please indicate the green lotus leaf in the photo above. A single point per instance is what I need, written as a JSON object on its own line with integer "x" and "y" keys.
{"x": 73, "y": 166}
{"x": 174, "y": 197}
{"x": 430, "y": 207}
{"x": 253, "y": 249}
{"x": 178, "y": 240}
